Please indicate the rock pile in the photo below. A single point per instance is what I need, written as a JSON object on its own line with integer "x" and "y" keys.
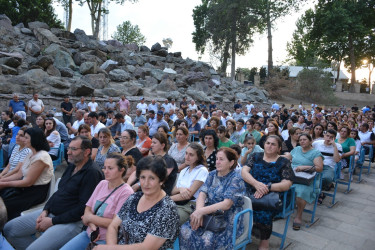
{"x": 56, "y": 62}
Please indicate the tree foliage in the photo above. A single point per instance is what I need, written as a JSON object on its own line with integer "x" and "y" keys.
{"x": 227, "y": 26}
{"x": 25, "y": 11}
{"x": 335, "y": 31}
{"x": 128, "y": 33}
{"x": 97, "y": 9}
{"x": 315, "y": 85}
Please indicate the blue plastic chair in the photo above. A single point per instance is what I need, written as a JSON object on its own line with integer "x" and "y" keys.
{"x": 369, "y": 157}
{"x": 350, "y": 171}
{"x": 335, "y": 181}
{"x": 288, "y": 209}
{"x": 1, "y": 160}
{"x": 317, "y": 187}
{"x": 176, "y": 245}
{"x": 60, "y": 157}
{"x": 245, "y": 238}
{"x": 360, "y": 162}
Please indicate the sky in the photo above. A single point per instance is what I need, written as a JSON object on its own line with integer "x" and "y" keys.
{"x": 173, "y": 19}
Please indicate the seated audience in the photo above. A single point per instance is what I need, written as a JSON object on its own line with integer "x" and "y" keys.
{"x": 107, "y": 145}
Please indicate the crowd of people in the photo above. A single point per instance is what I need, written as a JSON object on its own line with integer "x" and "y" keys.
{"x": 143, "y": 181}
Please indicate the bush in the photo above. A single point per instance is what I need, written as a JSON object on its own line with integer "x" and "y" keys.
{"x": 278, "y": 84}
{"x": 315, "y": 85}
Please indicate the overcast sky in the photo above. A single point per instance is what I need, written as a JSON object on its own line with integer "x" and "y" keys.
{"x": 173, "y": 19}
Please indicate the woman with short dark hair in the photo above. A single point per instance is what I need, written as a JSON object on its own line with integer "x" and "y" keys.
{"x": 29, "y": 187}
{"x": 149, "y": 218}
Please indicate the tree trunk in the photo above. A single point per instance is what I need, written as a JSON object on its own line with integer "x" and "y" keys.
{"x": 97, "y": 21}
{"x": 234, "y": 44}
{"x": 269, "y": 37}
{"x": 352, "y": 64}
{"x": 70, "y": 15}
{"x": 224, "y": 63}
{"x": 338, "y": 71}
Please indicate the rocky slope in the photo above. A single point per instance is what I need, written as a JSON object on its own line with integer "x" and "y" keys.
{"x": 54, "y": 62}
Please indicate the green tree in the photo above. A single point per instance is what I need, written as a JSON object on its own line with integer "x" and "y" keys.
{"x": 128, "y": 33}
{"x": 68, "y": 6}
{"x": 270, "y": 11}
{"x": 25, "y": 11}
{"x": 226, "y": 25}
{"x": 97, "y": 9}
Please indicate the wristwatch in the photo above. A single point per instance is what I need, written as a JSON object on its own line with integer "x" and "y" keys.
{"x": 269, "y": 186}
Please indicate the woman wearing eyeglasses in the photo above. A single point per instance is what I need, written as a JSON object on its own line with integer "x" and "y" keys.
{"x": 105, "y": 202}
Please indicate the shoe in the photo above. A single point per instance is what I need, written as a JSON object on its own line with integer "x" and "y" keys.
{"x": 296, "y": 226}
{"x": 342, "y": 176}
{"x": 321, "y": 198}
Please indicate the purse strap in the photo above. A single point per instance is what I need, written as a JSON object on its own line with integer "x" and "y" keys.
{"x": 114, "y": 190}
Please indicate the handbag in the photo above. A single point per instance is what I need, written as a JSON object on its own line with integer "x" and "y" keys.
{"x": 93, "y": 236}
{"x": 304, "y": 178}
{"x": 270, "y": 201}
{"x": 214, "y": 222}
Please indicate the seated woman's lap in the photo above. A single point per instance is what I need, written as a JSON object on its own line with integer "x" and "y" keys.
{"x": 80, "y": 242}
{"x": 306, "y": 192}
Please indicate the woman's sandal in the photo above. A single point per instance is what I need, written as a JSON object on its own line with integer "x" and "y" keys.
{"x": 296, "y": 226}
{"x": 321, "y": 198}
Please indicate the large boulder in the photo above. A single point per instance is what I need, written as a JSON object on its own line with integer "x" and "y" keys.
{"x": 161, "y": 52}
{"x": 144, "y": 49}
{"x": 32, "y": 49}
{"x": 53, "y": 71}
{"x": 198, "y": 95}
{"x": 6, "y": 27}
{"x": 81, "y": 36}
{"x": 58, "y": 83}
{"x": 44, "y": 61}
{"x": 156, "y": 47}
{"x": 166, "y": 84}
{"x": 45, "y": 36}
{"x": 119, "y": 75}
{"x": 82, "y": 88}
{"x": 26, "y": 31}
{"x": 97, "y": 81}
{"x": 6, "y": 70}
{"x": 88, "y": 68}
{"x": 10, "y": 61}
{"x": 63, "y": 60}
{"x": 66, "y": 72}
{"x": 157, "y": 73}
{"x": 132, "y": 46}
{"x": 37, "y": 24}
{"x": 193, "y": 77}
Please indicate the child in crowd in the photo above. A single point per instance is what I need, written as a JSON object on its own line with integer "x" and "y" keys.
{"x": 250, "y": 148}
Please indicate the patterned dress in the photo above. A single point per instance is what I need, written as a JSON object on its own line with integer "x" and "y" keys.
{"x": 100, "y": 159}
{"x": 266, "y": 172}
{"x": 217, "y": 188}
{"x": 161, "y": 221}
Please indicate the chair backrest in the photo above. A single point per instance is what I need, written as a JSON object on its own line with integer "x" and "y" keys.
{"x": 56, "y": 185}
{"x": 246, "y": 217}
{"x": 60, "y": 156}
{"x": 361, "y": 156}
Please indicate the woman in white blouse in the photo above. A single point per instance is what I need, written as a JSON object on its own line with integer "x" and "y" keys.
{"x": 190, "y": 181}
{"x": 53, "y": 137}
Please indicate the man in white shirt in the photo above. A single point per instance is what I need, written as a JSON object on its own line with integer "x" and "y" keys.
{"x": 73, "y": 129}
{"x": 331, "y": 152}
{"x": 93, "y": 105}
{"x": 95, "y": 124}
{"x": 249, "y": 106}
{"x": 238, "y": 114}
{"x": 36, "y": 107}
{"x": 367, "y": 137}
{"x": 173, "y": 104}
{"x": 192, "y": 105}
{"x": 153, "y": 106}
{"x": 166, "y": 105}
{"x": 125, "y": 114}
{"x": 142, "y": 106}
{"x": 201, "y": 120}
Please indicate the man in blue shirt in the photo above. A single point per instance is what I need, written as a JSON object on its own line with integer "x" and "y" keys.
{"x": 16, "y": 105}
{"x": 156, "y": 123}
